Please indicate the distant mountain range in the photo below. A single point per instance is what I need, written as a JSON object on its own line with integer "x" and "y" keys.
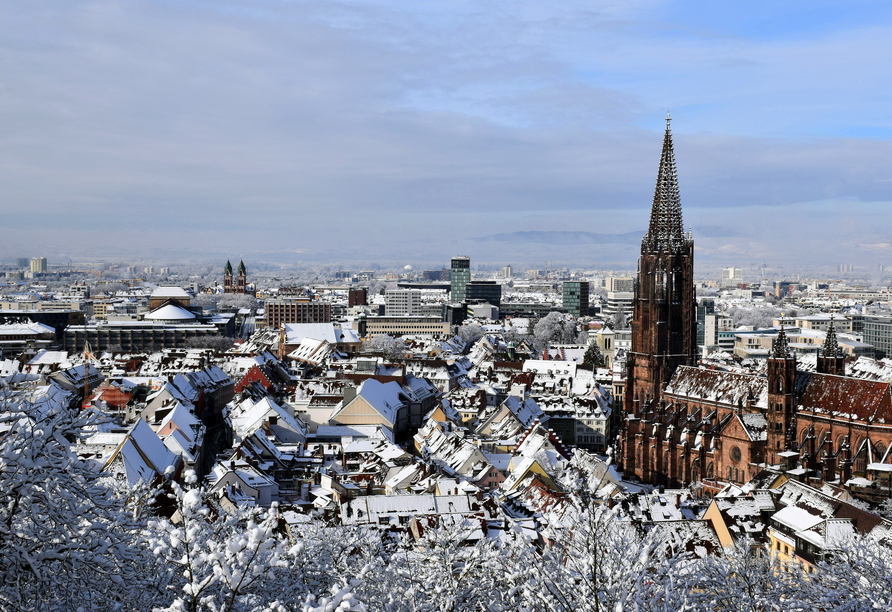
{"x": 565, "y": 238}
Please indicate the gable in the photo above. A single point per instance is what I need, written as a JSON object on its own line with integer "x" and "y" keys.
{"x": 360, "y": 412}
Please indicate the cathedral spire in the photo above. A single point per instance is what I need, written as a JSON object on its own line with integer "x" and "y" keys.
{"x": 666, "y": 229}
{"x": 831, "y": 346}
{"x": 781, "y": 349}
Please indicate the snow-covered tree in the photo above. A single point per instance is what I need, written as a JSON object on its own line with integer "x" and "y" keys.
{"x": 390, "y": 346}
{"x": 746, "y": 577}
{"x": 601, "y": 564}
{"x": 618, "y": 320}
{"x": 470, "y": 333}
{"x": 225, "y": 562}
{"x": 555, "y": 327}
{"x": 593, "y": 357}
{"x": 856, "y": 576}
{"x": 66, "y": 542}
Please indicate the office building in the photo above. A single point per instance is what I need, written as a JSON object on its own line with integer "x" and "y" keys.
{"x": 460, "y": 276}
{"x": 484, "y": 291}
{"x": 576, "y": 297}
{"x": 357, "y": 297}
{"x": 877, "y": 331}
{"x": 705, "y": 306}
{"x": 402, "y": 302}
{"x": 404, "y": 326}
{"x": 620, "y": 284}
{"x": 296, "y": 310}
{"x": 731, "y": 277}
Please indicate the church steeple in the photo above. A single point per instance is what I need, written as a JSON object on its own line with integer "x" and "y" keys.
{"x": 664, "y": 322}
{"x": 227, "y": 277}
{"x": 831, "y": 346}
{"x": 781, "y": 347}
{"x": 831, "y": 359}
{"x": 781, "y": 417}
{"x": 666, "y": 231}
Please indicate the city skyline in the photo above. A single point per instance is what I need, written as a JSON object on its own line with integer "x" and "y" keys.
{"x": 334, "y": 131}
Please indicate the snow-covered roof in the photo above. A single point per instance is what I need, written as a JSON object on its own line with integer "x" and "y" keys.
{"x": 296, "y": 332}
{"x": 144, "y": 455}
{"x": 170, "y": 312}
{"x": 170, "y": 292}
{"x": 383, "y": 397}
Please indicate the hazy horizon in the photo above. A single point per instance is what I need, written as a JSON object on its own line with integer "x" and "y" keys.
{"x": 380, "y": 131}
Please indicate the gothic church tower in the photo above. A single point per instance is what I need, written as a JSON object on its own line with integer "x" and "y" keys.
{"x": 781, "y": 436}
{"x": 664, "y": 322}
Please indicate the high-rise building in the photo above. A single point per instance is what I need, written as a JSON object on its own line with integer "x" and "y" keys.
{"x": 38, "y": 264}
{"x": 22, "y": 262}
{"x": 664, "y": 319}
{"x": 402, "y": 302}
{"x": 731, "y": 277}
{"x": 705, "y": 306}
{"x": 484, "y": 291}
{"x": 620, "y": 284}
{"x": 507, "y": 272}
{"x": 461, "y": 276}
{"x": 576, "y": 297}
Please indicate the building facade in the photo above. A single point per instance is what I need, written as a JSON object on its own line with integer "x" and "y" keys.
{"x": 576, "y": 298}
{"x": 460, "y": 277}
{"x": 296, "y": 310}
{"x": 402, "y": 302}
{"x": 484, "y": 291}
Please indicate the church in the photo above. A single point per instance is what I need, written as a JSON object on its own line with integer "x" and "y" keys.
{"x": 686, "y": 424}
{"x": 239, "y": 284}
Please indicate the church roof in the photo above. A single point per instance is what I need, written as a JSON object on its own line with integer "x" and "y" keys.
{"x": 241, "y": 267}
{"x": 666, "y": 229}
{"x": 729, "y": 388}
{"x": 843, "y": 396}
{"x": 228, "y": 267}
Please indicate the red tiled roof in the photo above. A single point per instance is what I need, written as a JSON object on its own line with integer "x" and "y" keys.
{"x": 829, "y": 394}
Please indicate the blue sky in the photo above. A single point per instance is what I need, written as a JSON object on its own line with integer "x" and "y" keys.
{"x": 394, "y": 131}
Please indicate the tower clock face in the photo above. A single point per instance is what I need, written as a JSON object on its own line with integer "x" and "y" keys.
{"x": 735, "y": 453}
